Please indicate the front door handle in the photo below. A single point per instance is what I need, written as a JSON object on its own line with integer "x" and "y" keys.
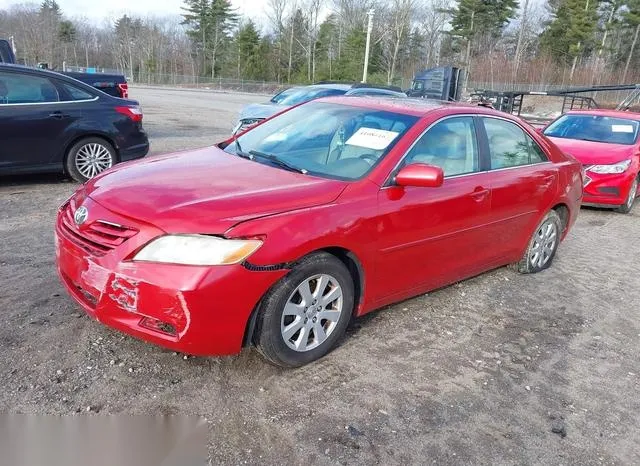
{"x": 480, "y": 194}
{"x": 58, "y": 115}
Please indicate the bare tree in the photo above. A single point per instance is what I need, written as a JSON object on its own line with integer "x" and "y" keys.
{"x": 397, "y": 20}
{"x": 276, "y": 12}
{"x": 432, "y": 20}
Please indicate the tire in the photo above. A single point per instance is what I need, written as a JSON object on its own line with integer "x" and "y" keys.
{"x": 627, "y": 207}
{"x": 89, "y": 157}
{"x": 286, "y": 318}
{"x": 543, "y": 245}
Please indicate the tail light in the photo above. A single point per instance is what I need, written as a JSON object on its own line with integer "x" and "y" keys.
{"x": 124, "y": 90}
{"x": 135, "y": 113}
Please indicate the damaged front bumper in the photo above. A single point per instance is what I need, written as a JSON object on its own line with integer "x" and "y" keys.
{"x": 191, "y": 309}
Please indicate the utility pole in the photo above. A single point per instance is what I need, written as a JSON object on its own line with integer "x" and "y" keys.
{"x": 366, "y": 50}
{"x": 13, "y": 44}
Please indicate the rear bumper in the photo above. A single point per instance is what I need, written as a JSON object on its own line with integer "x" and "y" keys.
{"x": 607, "y": 190}
{"x": 134, "y": 152}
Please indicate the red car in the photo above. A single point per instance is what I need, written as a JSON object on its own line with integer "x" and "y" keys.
{"x": 327, "y": 211}
{"x": 606, "y": 143}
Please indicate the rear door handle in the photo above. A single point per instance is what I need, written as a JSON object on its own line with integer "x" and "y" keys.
{"x": 58, "y": 115}
{"x": 480, "y": 194}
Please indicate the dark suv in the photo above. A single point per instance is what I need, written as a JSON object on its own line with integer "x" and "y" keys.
{"x": 52, "y": 123}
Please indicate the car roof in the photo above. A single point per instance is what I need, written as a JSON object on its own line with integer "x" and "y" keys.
{"x": 606, "y": 112}
{"x": 411, "y": 106}
{"x": 34, "y": 71}
{"x": 342, "y": 87}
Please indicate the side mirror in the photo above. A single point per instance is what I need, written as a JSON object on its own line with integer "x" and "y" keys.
{"x": 540, "y": 129}
{"x": 420, "y": 175}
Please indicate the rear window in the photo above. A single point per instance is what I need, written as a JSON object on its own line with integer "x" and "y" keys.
{"x": 75, "y": 93}
{"x": 595, "y": 128}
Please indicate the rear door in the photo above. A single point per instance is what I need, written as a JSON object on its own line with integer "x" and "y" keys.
{"x": 31, "y": 119}
{"x": 523, "y": 185}
{"x": 429, "y": 237}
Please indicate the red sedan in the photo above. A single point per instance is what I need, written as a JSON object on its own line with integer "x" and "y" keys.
{"x": 606, "y": 142}
{"x": 328, "y": 211}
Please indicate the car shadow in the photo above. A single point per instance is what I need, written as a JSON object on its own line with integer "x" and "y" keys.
{"x": 42, "y": 178}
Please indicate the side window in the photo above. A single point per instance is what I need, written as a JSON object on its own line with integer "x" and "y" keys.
{"x": 329, "y": 93}
{"x": 19, "y": 88}
{"x": 537, "y": 154}
{"x": 510, "y": 146}
{"x": 75, "y": 93}
{"x": 450, "y": 144}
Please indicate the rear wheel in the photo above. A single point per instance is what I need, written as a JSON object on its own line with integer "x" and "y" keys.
{"x": 543, "y": 245}
{"x": 89, "y": 157}
{"x": 305, "y": 314}
{"x": 628, "y": 205}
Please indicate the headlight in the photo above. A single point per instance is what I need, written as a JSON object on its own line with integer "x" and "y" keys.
{"x": 197, "y": 250}
{"x": 619, "y": 167}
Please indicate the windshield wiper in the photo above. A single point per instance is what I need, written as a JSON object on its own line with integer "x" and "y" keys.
{"x": 240, "y": 152}
{"x": 277, "y": 161}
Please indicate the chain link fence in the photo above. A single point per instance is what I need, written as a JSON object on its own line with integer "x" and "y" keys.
{"x": 207, "y": 83}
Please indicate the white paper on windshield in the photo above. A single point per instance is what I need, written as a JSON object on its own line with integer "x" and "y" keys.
{"x": 276, "y": 137}
{"x": 622, "y": 128}
{"x": 372, "y": 138}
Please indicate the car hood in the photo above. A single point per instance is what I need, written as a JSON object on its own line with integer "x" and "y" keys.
{"x": 593, "y": 153}
{"x": 206, "y": 191}
{"x": 261, "y": 110}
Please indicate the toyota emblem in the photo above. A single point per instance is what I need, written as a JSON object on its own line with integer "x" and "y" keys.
{"x": 81, "y": 215}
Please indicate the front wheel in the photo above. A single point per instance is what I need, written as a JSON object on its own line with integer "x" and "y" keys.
{"x": 543, "y": 245}
{"x": 89, "y": 157}
{"x": 305, "y": 314}
{"x": 628, "y": 205}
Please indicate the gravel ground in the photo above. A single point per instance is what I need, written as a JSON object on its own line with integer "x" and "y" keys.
{"x": 481, "y": 372}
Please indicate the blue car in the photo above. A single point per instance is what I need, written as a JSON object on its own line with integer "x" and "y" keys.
{"x": 254, "y": 113}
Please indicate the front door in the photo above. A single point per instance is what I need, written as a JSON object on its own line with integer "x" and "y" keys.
{"x": 31, "y": 119}
{"x": 430, "y": 237}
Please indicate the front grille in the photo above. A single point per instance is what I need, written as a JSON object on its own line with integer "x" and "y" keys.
{"x": 97, "y": 238}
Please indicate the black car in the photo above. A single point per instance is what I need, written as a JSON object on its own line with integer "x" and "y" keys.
{"x": 53, "y": 123}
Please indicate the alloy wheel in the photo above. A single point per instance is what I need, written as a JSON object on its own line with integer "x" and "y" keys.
{"x": 544, "y": 244}
{"x": 312, "y": 313}
{"x": 92, "y": 159}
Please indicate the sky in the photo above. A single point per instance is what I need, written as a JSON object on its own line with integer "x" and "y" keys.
{"x": 98, "y": 10}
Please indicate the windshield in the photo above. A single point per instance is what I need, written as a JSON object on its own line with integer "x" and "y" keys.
{"x": 325, "y": 139}
{"x": 305, "y": 94}
{"x": 594, "y": 128}
{"x": 276, "y": 99}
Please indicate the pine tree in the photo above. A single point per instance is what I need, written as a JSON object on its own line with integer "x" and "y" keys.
{"x": 248, "y": 46}
{"x": 473, "y": 18}
{"x": 572, "y": 31}
{"x": 222, "y": 18}
{"x": 67, "y": 35}
{"x": 196, "y": 16}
